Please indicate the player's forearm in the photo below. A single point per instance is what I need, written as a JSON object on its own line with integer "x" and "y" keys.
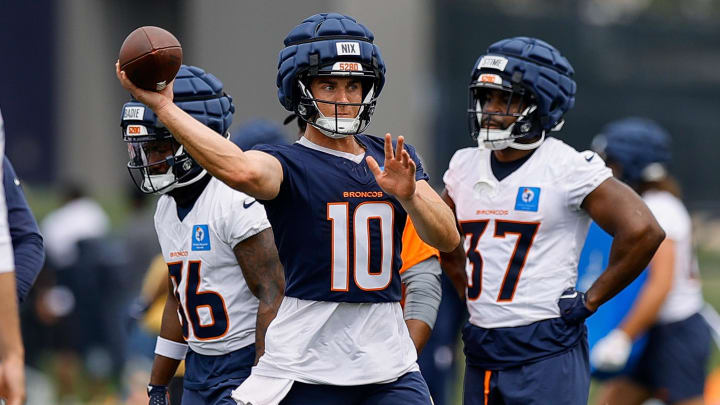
{"x": 163, "y": 370}
{"x": 419, "y": 333}
{"x": 270, "y": 295}
{"x": 164, "y": 367}
{"x": 219, "y": 156}
{"x": 11, "y": 346}
{"x": 432, "y": 218}
{"x": 631, "y": 251}
{"x": 266, "y": 313}
{"x": 453, "y": 265}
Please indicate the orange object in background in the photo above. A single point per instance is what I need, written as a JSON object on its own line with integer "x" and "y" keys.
{"x": 414, "y": 250}
{"x": 712, "y": 388}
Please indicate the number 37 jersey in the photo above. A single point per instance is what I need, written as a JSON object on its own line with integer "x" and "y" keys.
{"x": 217, "y": 310}
{"x": 524, "y": 234}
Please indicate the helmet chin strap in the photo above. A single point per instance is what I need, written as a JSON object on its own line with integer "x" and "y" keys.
{"x": 344, "y": 127}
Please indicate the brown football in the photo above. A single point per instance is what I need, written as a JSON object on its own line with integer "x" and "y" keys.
{"x": 151, "y": 57}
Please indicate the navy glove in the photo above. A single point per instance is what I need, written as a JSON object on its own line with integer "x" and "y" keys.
{"x": 572, "y": 306}
{"x": 158, "y": 395}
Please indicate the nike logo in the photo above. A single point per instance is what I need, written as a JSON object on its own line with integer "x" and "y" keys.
{"x": 573, "y": 295}
{"x": 587, "y": 159}
{"x": 247, "y": 205}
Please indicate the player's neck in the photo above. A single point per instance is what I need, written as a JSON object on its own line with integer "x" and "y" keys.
{"x": 510, "y": 154}
{"x": 187, "y": 195}
{"x": 347, "y": 144}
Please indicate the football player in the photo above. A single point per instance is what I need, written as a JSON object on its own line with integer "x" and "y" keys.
{"x": 12, "y": 353}
{"x": 673, "y": 365}
{"x": 420, "y": 275}
{"x": 225, "y": 280}
{"x": 338, "y": 217}
{"x": 524, "y": 201}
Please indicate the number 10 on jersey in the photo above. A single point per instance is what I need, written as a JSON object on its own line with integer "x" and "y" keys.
{"x": 366, "y": 278}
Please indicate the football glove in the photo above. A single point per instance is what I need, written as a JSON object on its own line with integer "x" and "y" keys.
{"x": 611, "y": 352}
{"x": 158, "y": 395}
{"x": 572, "y": 306}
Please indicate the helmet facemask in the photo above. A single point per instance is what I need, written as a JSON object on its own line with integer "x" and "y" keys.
{"x": 500, "y": 115}
{"x": 334, "y": 125}
{"x": 158, "y": 163}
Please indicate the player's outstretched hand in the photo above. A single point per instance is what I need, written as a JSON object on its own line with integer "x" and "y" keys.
{"x": 156, "y": 100}
{"x": 397, "y": 177}
{"x": 12, "y": 380}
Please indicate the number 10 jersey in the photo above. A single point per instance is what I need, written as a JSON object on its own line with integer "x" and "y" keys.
{"x": 523, "y": 234}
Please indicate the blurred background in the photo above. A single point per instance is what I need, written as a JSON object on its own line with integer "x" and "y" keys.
{"x": 61, "y": 104}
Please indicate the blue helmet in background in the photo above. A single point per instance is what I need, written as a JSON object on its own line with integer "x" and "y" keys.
{"x": 158, "y": 163}
{"x": 527, "y": 69}
{"x": 639, "y": 145}
{"x": 329, "y": 44}
{"x": 259, "y": 132}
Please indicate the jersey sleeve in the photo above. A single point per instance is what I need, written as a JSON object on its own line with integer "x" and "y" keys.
{"x": 27, "y": 242}
{"x": 7, "y": 262}
{"x": 419, "y": 169}
{"x": 450, "y": 176}
{"x": 584, "y": 171}
{"x": 240, "y": 216}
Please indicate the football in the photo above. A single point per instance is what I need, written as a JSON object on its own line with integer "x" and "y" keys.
{"x": 151, "y": 57}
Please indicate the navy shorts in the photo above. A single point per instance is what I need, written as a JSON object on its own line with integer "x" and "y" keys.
{"x": 563, "y": 379}
{"x": 409, "y": 389}
{"x": 209, "y": 380}
{"x": 673, "y": 365}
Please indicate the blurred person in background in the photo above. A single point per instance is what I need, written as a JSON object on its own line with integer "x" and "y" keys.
{"x": 673, "y": 365}
{"x": 73, "y": 292}
{"x": 225, "y": 280}
{"x": 12, "y": 353}
{"x": 524, "y": 203}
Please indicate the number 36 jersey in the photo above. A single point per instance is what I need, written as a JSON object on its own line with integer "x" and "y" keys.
{"x": 217, "y": 310}
{"x": 524, "y": 234}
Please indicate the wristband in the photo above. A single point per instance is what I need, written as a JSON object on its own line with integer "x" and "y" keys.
{"x": 170, "y": 349}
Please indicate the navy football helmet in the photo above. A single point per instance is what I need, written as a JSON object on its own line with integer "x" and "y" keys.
{"x": 330, "y": 44}
{"x": 158, "y": 163}
{"x": 537, "y": 85}
{"x": 639, "y": 145}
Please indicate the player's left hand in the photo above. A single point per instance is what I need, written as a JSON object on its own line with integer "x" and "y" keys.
{"x": 156, "y": 100}
{"x": 398, "y": 174}
{"x": 611, "y": 353}
{"x": 572, "y": 306}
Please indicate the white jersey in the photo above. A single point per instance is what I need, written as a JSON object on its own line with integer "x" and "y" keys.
{"x": 337, "y": 343}
{"x": 523, "y": 234}
{"x": 217, "y": 309}
{"x": 685, "y": 296}
{"x": 7, "y": 261}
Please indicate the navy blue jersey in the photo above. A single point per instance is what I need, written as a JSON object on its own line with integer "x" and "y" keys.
{"x": 339, "y": 236}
